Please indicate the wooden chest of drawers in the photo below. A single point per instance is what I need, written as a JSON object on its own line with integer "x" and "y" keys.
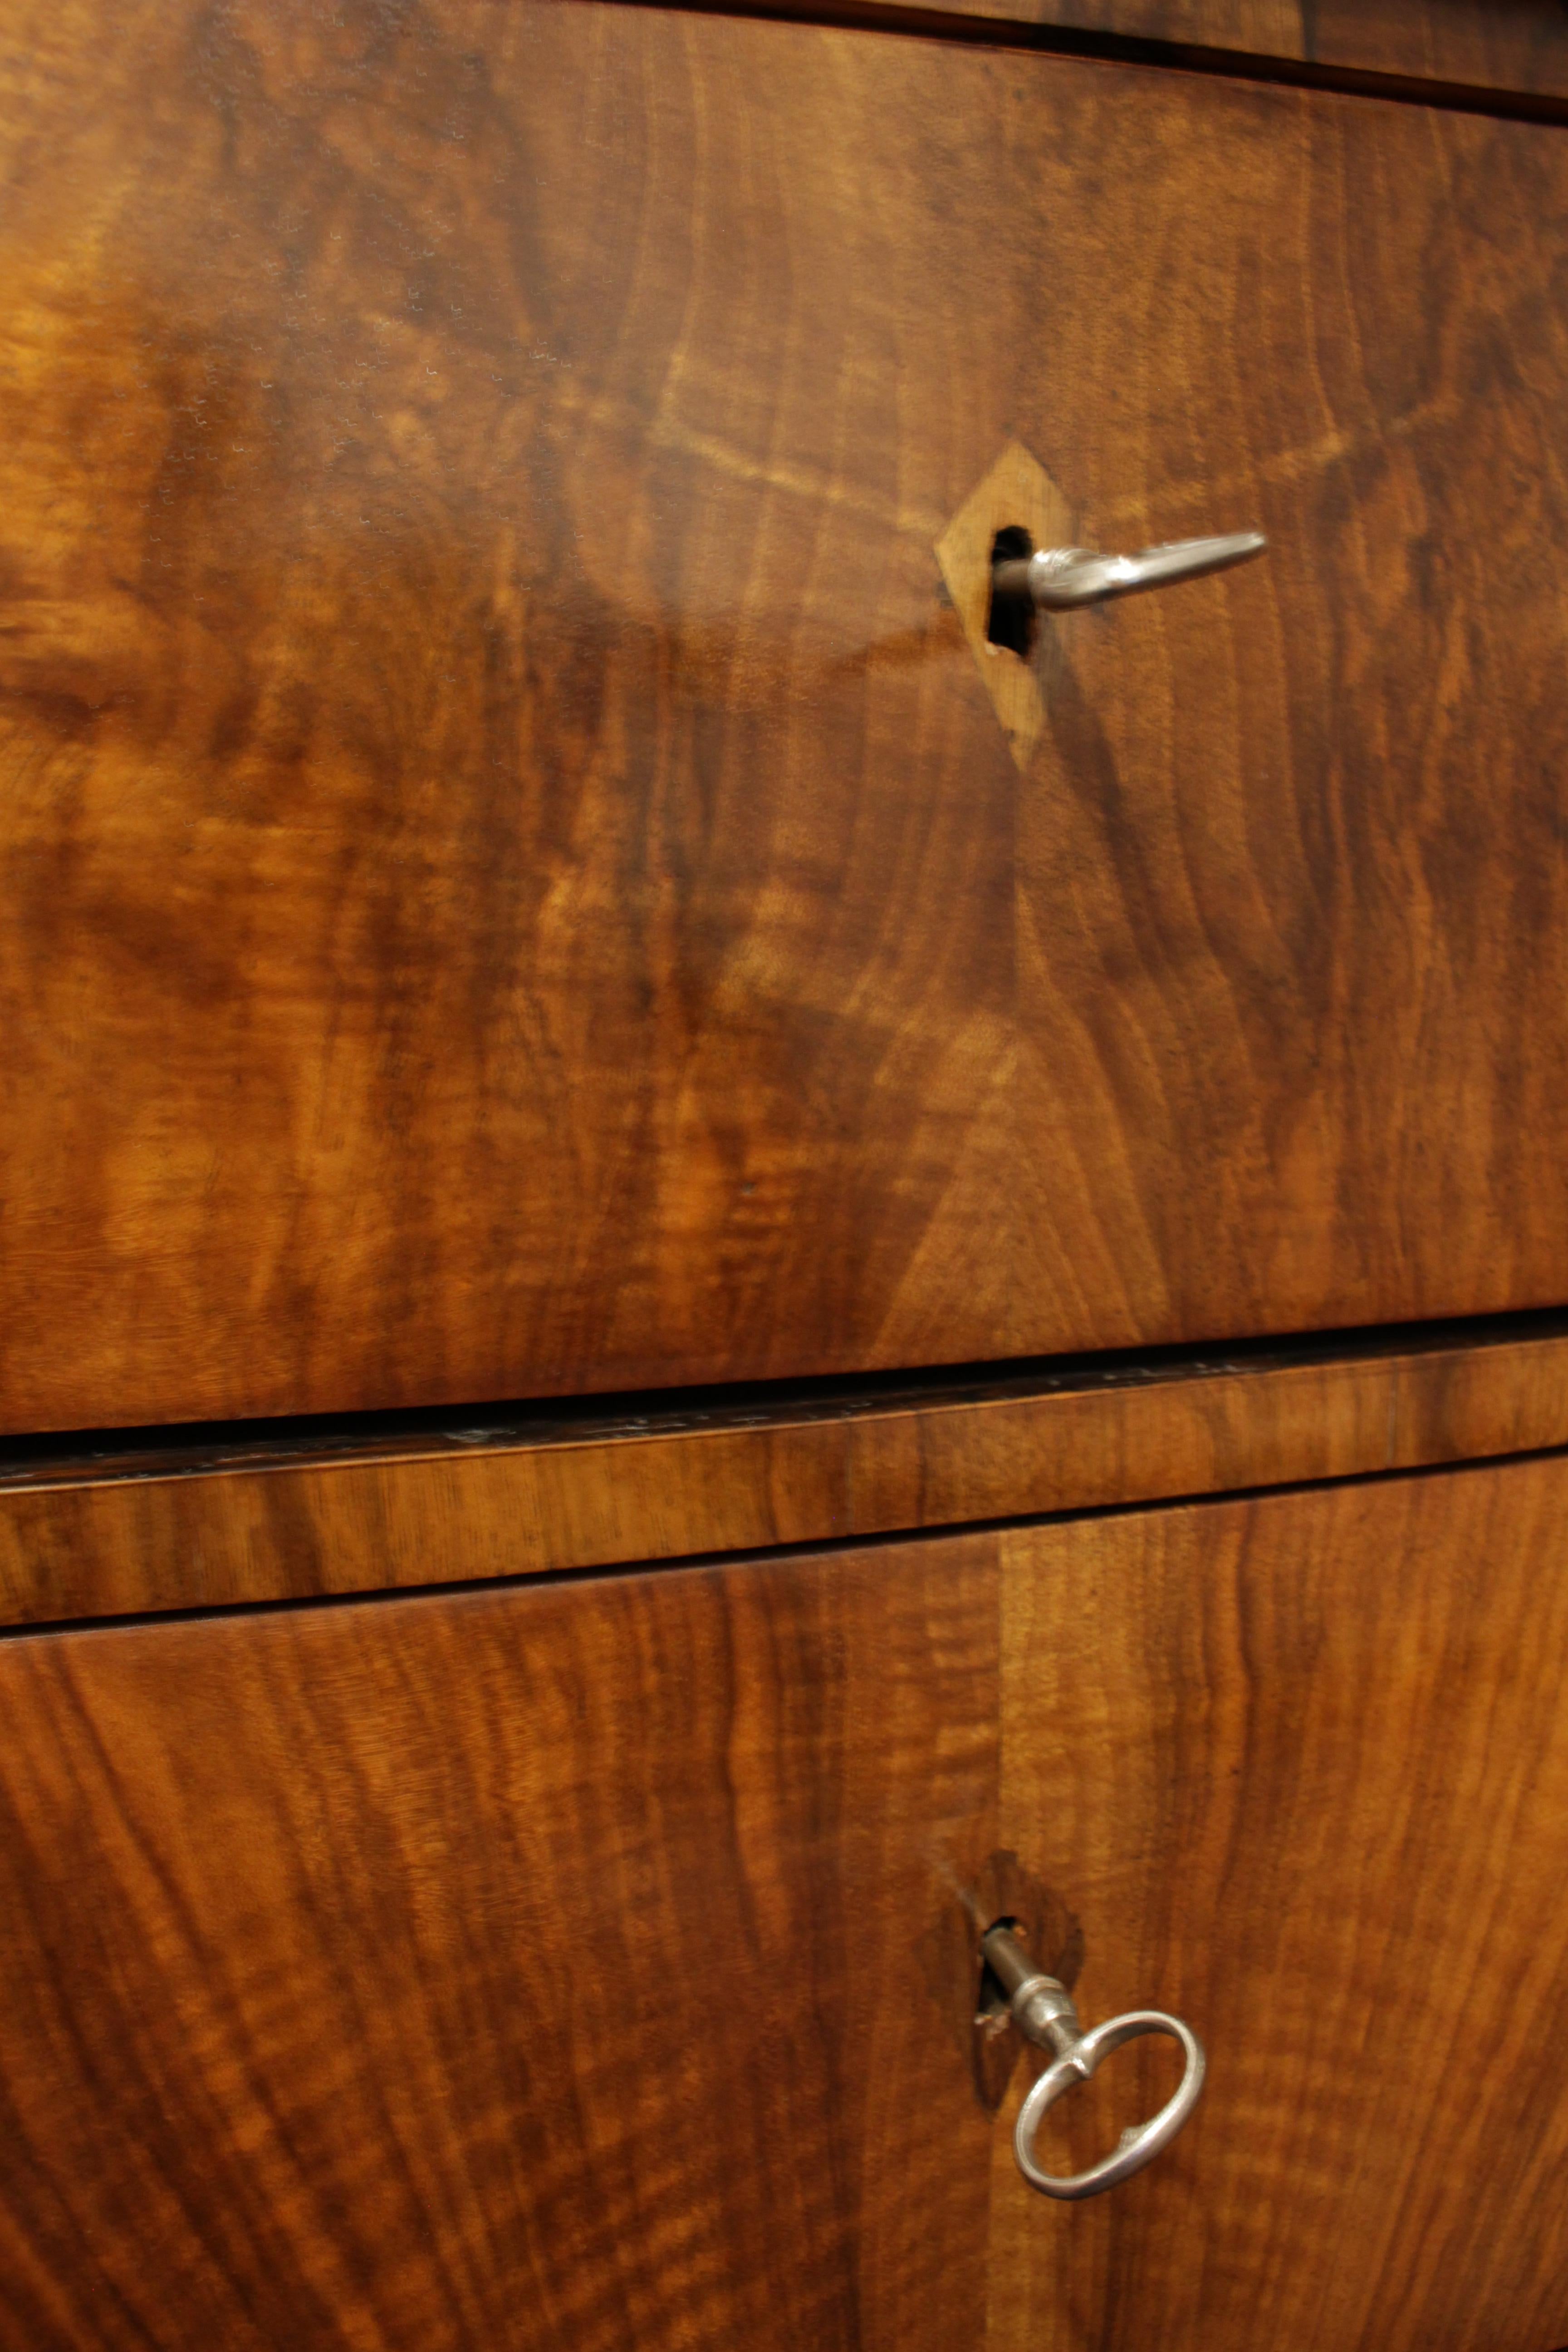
{"x": 658, "y": 1202}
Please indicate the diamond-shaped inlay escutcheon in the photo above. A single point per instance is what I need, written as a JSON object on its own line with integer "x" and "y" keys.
{"x": 1016, "y": 494}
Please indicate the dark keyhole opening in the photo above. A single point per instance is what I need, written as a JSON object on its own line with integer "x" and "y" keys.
{"x": 992, "y": 2000}
{"x": 1011, "y": 619}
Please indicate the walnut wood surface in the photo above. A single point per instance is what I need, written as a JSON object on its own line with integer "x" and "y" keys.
{"x": 154, "y": 1531}
{"x": 554, "y": 1969}
{"x": 524, "y": 1973}
{"x": 1500, "y": 45}
{"x": 1301, "y": 1766}
{"x": 1266, "y": 27}
{"x": 510, "y": 879}
{"x": 1519, "y": 45}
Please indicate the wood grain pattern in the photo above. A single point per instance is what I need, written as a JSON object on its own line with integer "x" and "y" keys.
{"x": 511, "y": 882}
{"x": 1301, "y": 1766}
{"x": 497, "y": 898}
{"x": 541, "y": 1969}
{"x": 523, "y": 1972}
{"x": 150, "y": 1532}
{"x": 1275, "y": 883}
{"x": 1519, "y": 46}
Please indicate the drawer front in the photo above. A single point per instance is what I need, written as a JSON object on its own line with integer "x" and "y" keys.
{"x": 584, "y": 1966}
{"x": 514, "y": 879}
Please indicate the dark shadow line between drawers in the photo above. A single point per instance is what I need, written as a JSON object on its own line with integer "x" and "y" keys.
{"x": 893, "y": 17}
{"x": 757, "y": 1555}
{"x": 454, "y": 1431}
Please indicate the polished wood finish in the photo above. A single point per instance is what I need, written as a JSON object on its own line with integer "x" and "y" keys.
{"x": 578, "y": 1965}
{"x": 1301, "y": 1766}
{"x": 510, "y": 880}
{"x": 254, "y": 1522}
{"x": 537, "y": 1970}
{"x": 496, "y": 898}
{"x": 1281, "y": 1039}
{"x": 1505, "y": 45}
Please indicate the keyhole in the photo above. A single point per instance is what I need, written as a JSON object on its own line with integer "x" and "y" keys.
{"x": 1010, "y": 621}
{"x": 992, "y": 2005}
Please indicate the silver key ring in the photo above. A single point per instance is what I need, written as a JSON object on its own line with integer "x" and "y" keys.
{"x": 1042, "y": 2008}
{"x": 1137, "y": 2147}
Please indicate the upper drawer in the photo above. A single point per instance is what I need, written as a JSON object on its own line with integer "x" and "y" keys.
{"x": 514, "y": 877}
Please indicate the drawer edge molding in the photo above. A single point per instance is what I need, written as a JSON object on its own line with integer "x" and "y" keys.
{"x": 134, "y": 1539}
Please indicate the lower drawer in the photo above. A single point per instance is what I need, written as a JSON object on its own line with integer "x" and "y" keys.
{"x": 586, "y": 1965}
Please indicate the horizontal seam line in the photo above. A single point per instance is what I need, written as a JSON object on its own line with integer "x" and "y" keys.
{"x": 39, "y": 1460}
{"x": 893, "y": 17}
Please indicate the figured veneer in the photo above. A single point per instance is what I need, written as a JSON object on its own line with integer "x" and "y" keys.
{"x": 510, "y": 882}
{"x": 530, "y": 1970}
{"x": 1301, "y": 1766}
{"x": 563, "y": 1966}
